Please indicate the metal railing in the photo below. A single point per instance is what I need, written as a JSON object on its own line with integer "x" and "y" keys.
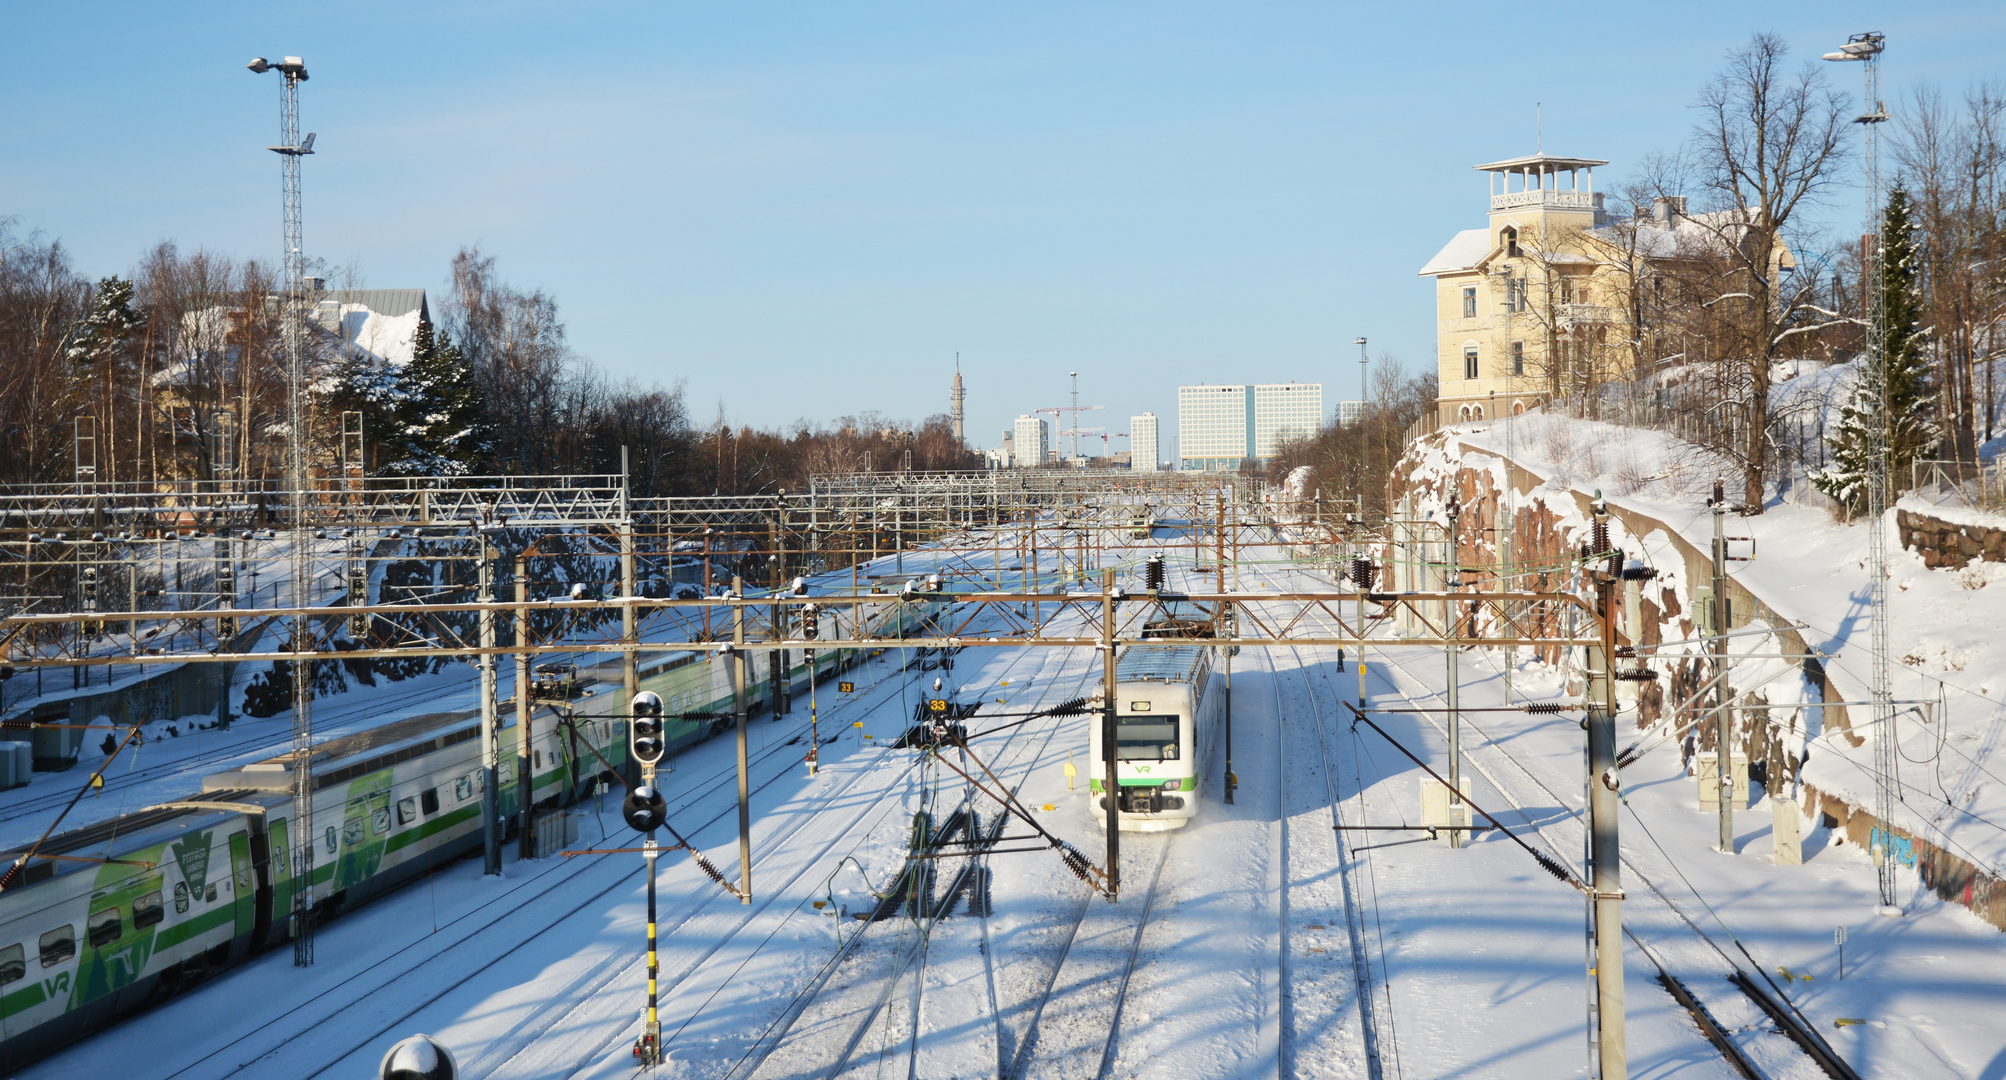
{"x": 1976, "y": 484}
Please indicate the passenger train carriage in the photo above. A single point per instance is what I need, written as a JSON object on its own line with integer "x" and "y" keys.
{"x": 144, "y": 904}
{"x": 1166, "y": 706}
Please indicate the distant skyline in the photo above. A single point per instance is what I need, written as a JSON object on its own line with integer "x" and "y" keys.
{"x": 806, "y": 211}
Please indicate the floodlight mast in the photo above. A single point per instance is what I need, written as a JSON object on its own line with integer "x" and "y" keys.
{"x": 291, "y": 319}
{"x": 1866, "y": 48}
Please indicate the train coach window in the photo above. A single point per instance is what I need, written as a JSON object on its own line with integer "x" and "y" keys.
{"x": 330, "y": 840}
{"x": 407, "y": 810}
{"x": 147, "y": 910}
{"x": 59, "y": 945}
{"x": 463, "y": 788}
{"x": 428, "y": 800}
{"x": 379, "y": 821}
{"x": 13, "y": 964}
{"x": 1146, "y": 738}
{"x": 104, "y": 926}
{"x": 351, "y": 832}
{"x": 180, "y": 898}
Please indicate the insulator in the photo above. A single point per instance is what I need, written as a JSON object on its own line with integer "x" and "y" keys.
{"x": 1154, "y": 571}
{"x": 1544, "y": 707}
{"x": 1363, "y": 573}
{"x": 1601, "y": 537}
{"x": 1558, "y": 871}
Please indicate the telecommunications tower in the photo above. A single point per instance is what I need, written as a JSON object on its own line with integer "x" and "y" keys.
{"x": 959, "y": 398}
{"x": 292, "y": 320}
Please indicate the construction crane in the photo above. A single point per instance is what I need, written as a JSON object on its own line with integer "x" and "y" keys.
{"x": 1076, "y": 409}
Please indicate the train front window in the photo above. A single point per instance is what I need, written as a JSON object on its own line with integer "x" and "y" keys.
{"x": 1146, "y": 738}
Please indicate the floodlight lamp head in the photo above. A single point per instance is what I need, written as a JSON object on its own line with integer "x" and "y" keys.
{"x": 259, "y": 65}
{"x": 1358, "y": 341}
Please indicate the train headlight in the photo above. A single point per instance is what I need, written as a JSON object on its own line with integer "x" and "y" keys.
{"x": 1173, "y": 785}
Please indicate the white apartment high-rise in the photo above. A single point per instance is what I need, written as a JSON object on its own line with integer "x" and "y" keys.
{"x": 1220, "y": 426}
{"x": 1030, "y": 442}
{"x": 1142, "y": 444}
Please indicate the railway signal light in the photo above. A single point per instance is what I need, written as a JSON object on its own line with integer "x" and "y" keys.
{"x": 644, "y": 730}
{"x": 645, "y": 810}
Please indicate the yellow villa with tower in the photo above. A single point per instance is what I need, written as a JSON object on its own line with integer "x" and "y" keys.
{"x": 1554, "y": 297}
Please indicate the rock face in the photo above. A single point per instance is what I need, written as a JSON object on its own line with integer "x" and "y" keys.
{"x": 1549, "y": 537}
{"x": 1946, "y": 545}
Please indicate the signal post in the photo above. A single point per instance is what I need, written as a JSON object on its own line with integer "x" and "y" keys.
{"x": 645, "y": 810}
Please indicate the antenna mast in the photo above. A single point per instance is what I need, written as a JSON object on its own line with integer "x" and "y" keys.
{"x": 292, "y": 326}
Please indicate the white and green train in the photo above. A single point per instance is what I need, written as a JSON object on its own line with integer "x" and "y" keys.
{"x": 110, "y": 918}
{"x": 1166, "y": 704}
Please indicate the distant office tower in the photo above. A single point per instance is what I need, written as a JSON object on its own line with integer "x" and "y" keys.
{"x": 1142, "y": 447}
{"x": 1220, "y": 426}
{"x": 1009, "y": 437}
{"x": 1031, "y": 442}
{"x": 1350, "y": 413}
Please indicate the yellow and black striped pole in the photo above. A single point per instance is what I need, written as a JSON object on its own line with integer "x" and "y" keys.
{"x": 652, "y": 1037}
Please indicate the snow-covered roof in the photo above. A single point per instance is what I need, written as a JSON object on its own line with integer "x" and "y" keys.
{"x": 380, "y": 322}
{"x": 1463, "y": 252}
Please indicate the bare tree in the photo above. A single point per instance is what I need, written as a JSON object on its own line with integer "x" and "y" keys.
{"x": 1768, "y": 144}
{"x": 1953, "y": 163}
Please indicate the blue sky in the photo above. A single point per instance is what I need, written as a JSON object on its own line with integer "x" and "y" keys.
{"x": 807, "y": 210}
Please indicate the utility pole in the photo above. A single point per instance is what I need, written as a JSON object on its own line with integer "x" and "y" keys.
{"x": 630, "y": 677}
{"x": 1604, "y": 787}
{"x": 1110, "y": 738}
{"x": 491, "y": 864}
{"x": 525, "y": 776}
{"x": 292, "y": 72}
{"x": 1224, "y": 624}
{"x": 629, "y": 615}
{"x": 1452, "y": 577}
{"x": 1722, "y": 695}
{"x": 742, "y": 707}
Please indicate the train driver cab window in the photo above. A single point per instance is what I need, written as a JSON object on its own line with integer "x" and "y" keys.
{"x": 104, "y": 926}
{"x": 180, "y": 898}
{"x": 463, "y": 788}
{"x": 407, "y": 810}
{"x": 329, "y": 841}
{"x": 428, "y": 800}
{"x": 59, "y": 945}
{"x": 1146, "y": 738}
{"x": 13, "y": 964}
{"x": 147, "y": 911}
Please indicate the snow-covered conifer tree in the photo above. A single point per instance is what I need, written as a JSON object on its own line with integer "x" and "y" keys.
{"x": 1909, "y": 428}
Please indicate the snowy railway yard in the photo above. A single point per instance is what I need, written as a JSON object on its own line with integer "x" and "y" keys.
{"x": 1260, "y": 940}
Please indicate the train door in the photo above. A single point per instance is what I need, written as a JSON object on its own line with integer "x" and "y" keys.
{"x": 280, "y": 873}
{"x": 243, "y": 891}
{"x": 261, "y": 879}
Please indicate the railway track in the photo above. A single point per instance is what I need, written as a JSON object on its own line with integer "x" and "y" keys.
{"x": 1377, "y": 1048}
{"x": 1775, "y": 1015}
{"x": 825, "y": 1026}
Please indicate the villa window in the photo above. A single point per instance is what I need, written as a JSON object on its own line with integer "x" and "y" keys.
{"x": 1511, "y": 242}
{"x": 1470, "y": 362}
{"x": 1518, "y": 358}
{"x": 1470, "y": 302}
